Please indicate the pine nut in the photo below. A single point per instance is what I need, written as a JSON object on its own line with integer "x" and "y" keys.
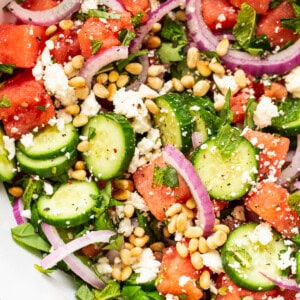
{"x": 197, "y": 260}
{"x": 182, "y": 249}
{"x": 152, "y": 107}
{"x": 121, "y": 195}
{"x": 134, "y": 68}
{"x": 100, "y": 91}
{"x": 221, "y": 227}
{"x": 203, "y": 248}
{"x": 80, "y": 120}
{"x": 203, "y": 68}
{"x": 172, "y": 224}
{"x": 153, "y": 42}
{"x": 155, "y": 70}
{"x": 181, "y": 222}
{"x": 132, "y": 239}
{"x": 77, "y": 62}
{"x": 187, "y": 81}
{"x": 155, "y": 83}
{"x": 128, "y": 210}
{"x": 122, "y": 80}
{"x": 50, "y": 30}
{"x": 193, "y": 245}
{"x": 156, "y": 27}
{"x": 125, "y": 256}
{"x": 193, "y": 56}
{"x": 69, "y": 69}
{"x": 16, "y": 191}
{"x": 223, "y": 47}
{"x": 193, "y": 232}
{"x": 220, "y": 237}
{"x": 116, "y": 272}
{"x": 157, "y": 247}
{"x": 136, "y": 251}
{"x": 125, "y": 273}
{"x": 190, "y": 214}
{"x": 77, "y": 82}
{"x": 201, "y": 88}
{"x": 82, "y": 92}
{"x": 83, "y": 146}
{"x": 128, "y": 246}
{"x": 139, "y": 231}
{"x": 211, "y": 242}
{"x": 79, "y": 165}
{"x": 78, "y": 174}
{"x": 141, "y": 241}
{"x": 173, "y": 210}
{"x": 124, "y": 184}
{"x": 240, "y": 78}
{"x": 102, "y": 78}
{"x": 73, "y": 109}
{"x": 113, "y": 76}
{"x": 190, "y": 203}
{"x": 177, "y": 85}
{"x": 112, "y": 88}
{"x": 166, "y": 232}
{"x": 204, "y": 280}
{"x": 180, "y": 15}
{"x": 217, "y": 68}
{"x": 66, "y": 24}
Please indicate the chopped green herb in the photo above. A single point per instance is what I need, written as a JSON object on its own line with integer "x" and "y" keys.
{"x": 124, "y": 62}
{"x": 41, "y": 107}
{"x": 126, "y": 36}
{"x": 165, "y": 176}
{"x": 137, "y": 18}
{"x": 94, "y": 13}
{"x": 91, "y": 133}
{"x": 7, "y": 68}
{"x": 4, "y": 102}
{"x": 96, "y": 45}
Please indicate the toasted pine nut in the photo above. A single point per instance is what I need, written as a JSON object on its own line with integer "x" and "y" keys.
{"x": 193, "y": 245}
{"x": 102, "y": 78}
{"x": 156, "y": 27}
{"x": 136, "y": 251}
{"x": 122, "y": 80}
{"x": 124, "y": 184}
{"x": 100, "y": 90}
{"x": 217, "y": 68}
{"x": 197, "y": 260}
{"x": 166, "y": 232}
{"x": 134, "y": 68}
{"x": 201, "y": 88}
{"x": 132, "y": 239}
{"x": 177, "y": 85}
{"x": 77, "y": 82}
{"x": 83, "y": 146}
{"x": 73, "y": 109}
{"x": 16, "y": 191}
{"x": 139, "y": 231}
{"x": 79, "y": 165}
{"x": 128, "y": 210}
{"x": 172, "y": 224}
{"x": 152, "y": 107}
{"x": 155, "y": 83}
{"x": 193, "y": 232}
{"x": 220, "y": 237}
{"x": 153, "y": 42}
{"x": 193, "y": 56}
{"x": 69, "y": 69}
{"x": 80, "y": 120}
{"x": 141, "y": 241}
{"x": 112, "y": 88}
{"x": 77, "y": 62}
{"x": 221, "y": 227}
{"x": 157, "y": 247}
{"x": 78, "y": 174}
{"x": 121, "y": 195}
{"x": 180, "y": 15}
{"x": 204, "y": 280}
{"x": 116, "y": 272}
{"x": 203, "y": 248}
{"x": 182, "y": 249}
{"x": 211, "y": 242}
{"x": 187, "y": 81}
{"x": 173, "y": 210}
{"x": 190, "y": 214}
{"x": 240, "y": 78}
{"x": 155, "y": 70}
{"x": 128, "y": 246}
{"x": 190, "y": 203}
{"x": 51, "y": 29}
{"x": 125, "y": 273}
{"x": 203, "y": 69}
{"x": 113, "y": 76}
{"x": 65, "y": 24}
{"x": 181, "y": 222}
{"x": 222, "y": 47}
{"x": 125, "y": 256}
{"x": 82, "y": 92}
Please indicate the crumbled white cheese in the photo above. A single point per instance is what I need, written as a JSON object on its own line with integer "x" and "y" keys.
{"x": 147, "y": 92}
{"x": 286, "y": 260}
{"x": 27, "y": 140}
{"x": 86, "y": 5}
{"x": 48, "y": 188}
{"x": 225, "y": 83}
{"x": 212, "y": 260}
{"x": 265, "y": 111}
{"x": 90, "y": 105}
{"x": 147, "y": 266}
{"x": 26, "y": 213}
{"x": 125, "y": 227}
{"x": 183, "y": 280}
{"x": 292, "y": 82}
{"x": 9, "y": 145}
{"x": 262, "y": 234}
{"x": 103, "y": 266}
{"x": 137, "y": 201}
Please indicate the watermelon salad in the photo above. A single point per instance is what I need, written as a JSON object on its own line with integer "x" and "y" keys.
{"x": 151, "y": 149}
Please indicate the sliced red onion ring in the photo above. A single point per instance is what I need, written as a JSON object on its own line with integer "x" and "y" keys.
{"x": 197, "y": 139}
{"x": 113, "y": 4}
{"x": 293, "y": 168}
{"x": 98, "y": 61}
{"x": 278, "y": 63}
{"x": 46, "y": 17}
{"x": 205, "y": 210}
{"x": 61, "y": 252}
{"x": 18, "y": 207}
{"x": 284, "y": 282}
{"x": 155, "y": 16}
{"x": 297, "y": 184}
{"x": 75, "y": 264}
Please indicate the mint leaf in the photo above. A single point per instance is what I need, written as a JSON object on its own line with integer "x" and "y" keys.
{"x": 226, "y": 113}
{"x": 126, "y": 36}
{"x": 110, "y": 292}
{"x": 96, "y": 45}
{"x": 115, "y": 242}
{"x": 294, "y": 202}
{"x": 165, "y": 176}
{"x": 292, "y": 23}
{"x": 137, "y": 18}
{"x": 84, "y": 293}
{"x": 170, "y": 53}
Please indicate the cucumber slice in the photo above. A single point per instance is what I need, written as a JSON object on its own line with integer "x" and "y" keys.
{"x": 174, "y": 121}
{"x": 244, "y": 259}
{"x": 7, "y": 166}
{"x": 51, "y": 142}
{"x": 112, "y": 143}
{"x": 71, "y": 204}
{"x": 46, "y": 168}
{"x": 230, "y": 177}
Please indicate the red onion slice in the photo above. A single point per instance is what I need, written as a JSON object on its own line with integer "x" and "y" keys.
{"x": 113, "y": 4}
{"x": 197, "y": 139}
{"x": 46, "y": 17}
{"x": 278, "y": 63}
{"x": 98, "y": 61}
{"x": 61, "y": 252}
{"x": 284, "y": 282}
{"x": 155, "y": 16}
{"x": 75, "y": 264}
{"x": 293, "y": 168}
{"x": 205, "y": 210}
{"x": 18, "y": 207}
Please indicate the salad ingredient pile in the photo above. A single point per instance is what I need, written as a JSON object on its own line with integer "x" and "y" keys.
{"x": 150, "y": 149}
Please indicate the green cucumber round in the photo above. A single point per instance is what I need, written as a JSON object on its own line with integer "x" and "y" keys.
{"x": 111, "y": 145}
{"x": 71, "y": 204}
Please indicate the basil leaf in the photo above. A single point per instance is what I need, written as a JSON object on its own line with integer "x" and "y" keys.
{"x": 96, "y": 45}
{"x": 115, "y": 242}
{"x": 126, "y": 36}
{"x": 165, "y": 176}
{"x": 110, "y": 292}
